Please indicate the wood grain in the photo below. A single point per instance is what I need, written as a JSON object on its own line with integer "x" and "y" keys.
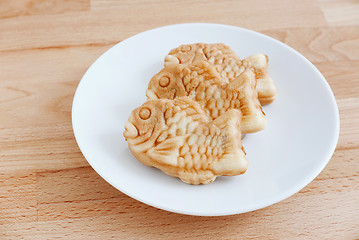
{"x": 48, "y": 190}
{"x": 321, "y": 44}
{"x": 16, "y": 8}
{"x": 340, "y": 13}
{"x": 104, "y": 25}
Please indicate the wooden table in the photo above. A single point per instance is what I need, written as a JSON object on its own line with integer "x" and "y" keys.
{"x": 48, "y": 190}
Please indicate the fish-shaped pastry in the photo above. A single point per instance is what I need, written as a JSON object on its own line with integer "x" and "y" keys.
{"x": 177, "y": 137}
{"x": 228, "y": 64}
{"x": 201, "y": 82}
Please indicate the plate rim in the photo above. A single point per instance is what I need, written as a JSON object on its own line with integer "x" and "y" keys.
{"x": 265, "y": 203}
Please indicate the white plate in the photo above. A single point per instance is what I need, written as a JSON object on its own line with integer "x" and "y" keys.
{"x": 301, "y": 135}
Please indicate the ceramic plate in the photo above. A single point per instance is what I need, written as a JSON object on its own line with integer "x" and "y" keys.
{"x": 301, "y": 135}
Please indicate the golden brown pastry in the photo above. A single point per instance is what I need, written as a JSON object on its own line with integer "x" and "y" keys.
{"x": 228, "y": 64}
{"x": 177, "y": 137}
{"x": 201, "y": 82}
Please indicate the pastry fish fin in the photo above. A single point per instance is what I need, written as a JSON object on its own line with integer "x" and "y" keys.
{"x": 258, "y": 61}
{"x": 193, "y": 108}
{"x": 187, "y": 101}
{"x": 196, "y": 177}
{"x": 246, "y": 78}
{"x": 232, "y": 116}
{"x": 167, "y": 152}
{"x": 233, "y": 161}
{"x": 207, "y": 71}
{"x": 199, "y": 56}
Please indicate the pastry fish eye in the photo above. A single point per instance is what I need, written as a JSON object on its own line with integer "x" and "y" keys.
{"x": 164, "y": 81}
{"x": 145, "y": 113}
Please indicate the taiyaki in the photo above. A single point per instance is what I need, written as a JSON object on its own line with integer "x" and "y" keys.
{"x": 177, "y": 137}
{"x": 201, "y": 82}
{"x": 228, "y": 64}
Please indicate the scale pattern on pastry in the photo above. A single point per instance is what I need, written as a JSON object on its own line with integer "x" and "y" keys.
{"x": 177, "y": 137}
{"x": 201, "y": 82}
{"x": 228, "y": 64}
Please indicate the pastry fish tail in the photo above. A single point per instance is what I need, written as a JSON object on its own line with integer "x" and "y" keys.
{"x": 233, "y": 160}
{"x": 265, "y": 86}
{"x": 254, "y": 119}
